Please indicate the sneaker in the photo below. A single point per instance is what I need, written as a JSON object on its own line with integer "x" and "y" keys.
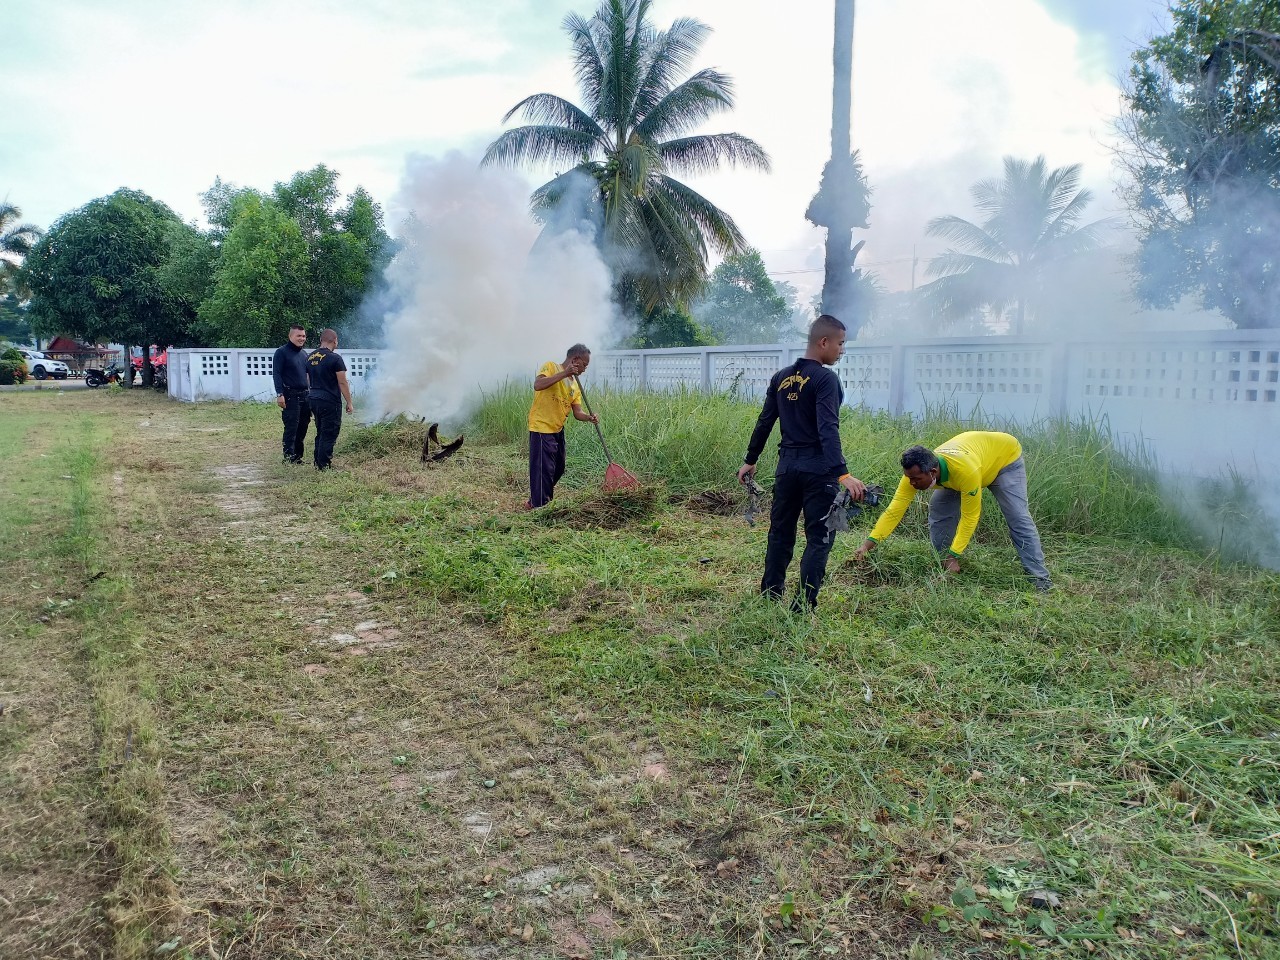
{"x": 1043, "y": 585}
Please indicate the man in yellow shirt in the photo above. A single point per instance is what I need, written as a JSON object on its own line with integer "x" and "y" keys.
{"x": 957, "y": 471}
{"x": 555, "y": 396}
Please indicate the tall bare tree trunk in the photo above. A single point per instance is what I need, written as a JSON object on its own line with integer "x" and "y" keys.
{"x": 839, "y": 205}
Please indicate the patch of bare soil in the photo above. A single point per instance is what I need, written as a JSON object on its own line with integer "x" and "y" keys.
{"x": 53, "y": 871}
{"x": 241, "y": 495}
{"x": 348, "y": 779}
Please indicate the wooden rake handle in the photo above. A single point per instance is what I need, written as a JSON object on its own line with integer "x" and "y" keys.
{"x": 599, "y": 433}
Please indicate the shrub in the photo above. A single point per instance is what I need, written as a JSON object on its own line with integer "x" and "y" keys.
{"x": 13, "y": 368}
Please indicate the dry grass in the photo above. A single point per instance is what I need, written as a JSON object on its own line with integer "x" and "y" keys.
{"x": 398, "y": 716}
{"x": 601, "y": 509}
{"x": 53, "y": 870}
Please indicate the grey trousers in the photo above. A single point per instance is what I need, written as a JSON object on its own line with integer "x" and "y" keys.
{"x": 1010, "y": 490}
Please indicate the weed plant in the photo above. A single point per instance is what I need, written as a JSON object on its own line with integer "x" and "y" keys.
{"x": 944, "y": 761}
{"x": 1081, "y": 479}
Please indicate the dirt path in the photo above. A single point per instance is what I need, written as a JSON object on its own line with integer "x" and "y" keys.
{"x": 53, "y": 869}
{"x": 347, "y": 777}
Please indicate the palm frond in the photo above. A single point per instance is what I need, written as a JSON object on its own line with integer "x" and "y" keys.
{"x": 546, "y": 109}
{"x": 962, "y": 233}
{"x": 546, "y": 198}
{"x": 537, "y": 145}
{"x": 714, "y": 224}
{"x": 684, "y": 107}
{"x": 637, "y": 163}
{"x": 670, "y": 59}
{"x": 1085, "y": 239}
{"x": 1064, "y": 220}
{"x": 588, "y": 60}
{"x": 954, "y": 263}
{"x": 620, "y": 29}
{"x": 706, "y": 153}
{"x": 960, "y": 294}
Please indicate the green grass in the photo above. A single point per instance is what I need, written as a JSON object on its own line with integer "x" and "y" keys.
{"x": 929, "y": 759}
{"x": 1117, "y": 742}
{"x": 1079, "y": 482}
{"x": 65, "y": 543}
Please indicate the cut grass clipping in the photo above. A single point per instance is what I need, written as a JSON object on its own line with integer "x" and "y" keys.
{"x": 602, "y": 509}
{"x": 932, "y": 767}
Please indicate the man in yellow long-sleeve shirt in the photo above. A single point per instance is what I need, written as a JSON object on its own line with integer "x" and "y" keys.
{"x": 956, "y": 472}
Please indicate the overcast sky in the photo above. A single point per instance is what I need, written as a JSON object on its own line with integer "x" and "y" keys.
{"x": 164, "y": 95}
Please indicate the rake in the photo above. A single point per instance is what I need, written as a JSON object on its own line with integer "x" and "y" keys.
{"x": 616, "y": 477}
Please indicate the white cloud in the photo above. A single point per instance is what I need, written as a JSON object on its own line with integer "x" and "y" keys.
{"x": 164, "y": 96}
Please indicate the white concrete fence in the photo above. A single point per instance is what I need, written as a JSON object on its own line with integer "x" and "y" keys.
{"x": 1209, "y": 396}
{"x": 206, "y": 373}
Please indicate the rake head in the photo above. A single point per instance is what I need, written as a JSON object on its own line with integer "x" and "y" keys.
{"x": 619, "y": 478}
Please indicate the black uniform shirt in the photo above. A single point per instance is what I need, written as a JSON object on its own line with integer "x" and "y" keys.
{"x": 323, "y": 366}
{"x": 289, "y": 369}
{"x": 806, "y": 397}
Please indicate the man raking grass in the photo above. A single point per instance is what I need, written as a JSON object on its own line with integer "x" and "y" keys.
{"x": 556, "y": 394}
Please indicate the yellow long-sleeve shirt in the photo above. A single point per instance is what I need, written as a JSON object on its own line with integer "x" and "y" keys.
{"x": 967, "y": 463}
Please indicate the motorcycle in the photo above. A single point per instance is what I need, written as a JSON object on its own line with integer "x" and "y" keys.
{"x": 96, "y": 378}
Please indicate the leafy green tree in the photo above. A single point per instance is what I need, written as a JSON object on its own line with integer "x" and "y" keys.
{"x": 741, "y": 304}
{"x": 14, "y": 324}
{"x": 344, "y": 244}
{"x": 630, "y": 140}
{"x": 259, "y": 288}
{"x": 219, "y": 203}
{"x": 1202, "y": 149}
{"x": 668, "y": 327}
{"x": 16, "y": 239}
{"x": 257, "y": 294}
{"x": 1031, "y": 222}
{"x": 799, "y": 314}
{"x": 97, "y": 275}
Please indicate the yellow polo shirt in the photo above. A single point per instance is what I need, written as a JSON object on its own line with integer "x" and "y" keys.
{"x": 967, "y": 463}
{"x": 552, "y": 406}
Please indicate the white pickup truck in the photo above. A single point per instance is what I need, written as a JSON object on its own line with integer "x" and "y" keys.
{"x": 42, "y": 367}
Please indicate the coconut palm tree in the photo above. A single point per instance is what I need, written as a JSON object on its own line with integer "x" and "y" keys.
{"x": 15, "y": 243}
{"x": 1032, "y": 221}
{"x": 630, "y": 138}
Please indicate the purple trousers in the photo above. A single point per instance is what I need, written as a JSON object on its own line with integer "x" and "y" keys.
{"x": 546, "y": 466}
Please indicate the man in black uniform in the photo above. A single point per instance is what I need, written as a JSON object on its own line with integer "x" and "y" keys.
{"x": 289, "y": 371}
{"x": 329, "y": 389}
{"x": 806, "y": 397}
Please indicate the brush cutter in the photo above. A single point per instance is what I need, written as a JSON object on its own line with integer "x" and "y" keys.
{"x": 844, "y": 508}
{"x": 754, "y": 493}
{"x": 615, "y": 476}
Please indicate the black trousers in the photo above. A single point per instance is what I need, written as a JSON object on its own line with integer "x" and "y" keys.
{"x": 297, "y": 417}
{"x": 796, "y": 492}
{"x": 328, "y": 414}
{"x": 546, "y": 466}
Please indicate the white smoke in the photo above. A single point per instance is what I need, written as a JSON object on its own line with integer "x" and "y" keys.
{"x": 476, "y": 300}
